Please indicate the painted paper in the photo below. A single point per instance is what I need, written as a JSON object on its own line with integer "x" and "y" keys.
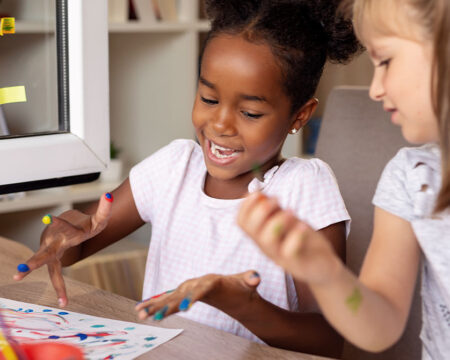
{"x": 100, "y": 338}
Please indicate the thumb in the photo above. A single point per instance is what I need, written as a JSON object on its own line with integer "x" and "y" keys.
{"x": 103, "y": 213}
{"x": 252, "y": 278}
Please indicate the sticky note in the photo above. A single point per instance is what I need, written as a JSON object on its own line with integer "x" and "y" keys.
{"x": 12, "y": 94}
{"x": 7, "y": 26}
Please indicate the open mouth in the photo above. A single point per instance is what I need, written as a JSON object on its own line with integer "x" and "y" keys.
{"x": 221, "y": 152}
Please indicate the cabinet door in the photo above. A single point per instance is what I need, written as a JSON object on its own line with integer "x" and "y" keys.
{"x": 54, "y": 109}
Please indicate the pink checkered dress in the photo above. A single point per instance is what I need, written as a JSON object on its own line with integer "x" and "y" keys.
{"x": 194, "y": 234}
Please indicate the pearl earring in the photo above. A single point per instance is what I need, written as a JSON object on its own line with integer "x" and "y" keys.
{"x": 293, "y": 131}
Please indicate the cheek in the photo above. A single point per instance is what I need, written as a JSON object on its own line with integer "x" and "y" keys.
{"x": 197, "y": 114}
{"x": 265, "y": 138}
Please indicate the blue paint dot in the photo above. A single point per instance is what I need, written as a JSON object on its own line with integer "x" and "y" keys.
{"x": 63, "y": 313}
{"x": 97, "y": 326}
{"x": 81, "y": 336}
{"x": 117, "y": 340}
{"x": 23, "y": 268}
{"x": 53, "y": 337}
{"x": 46, "y": 310}
{"x": 150, "y": 338}
{"x": 130, "y": 328}
{"x": 29, "y": 310}
{"x": 148, "y": 345}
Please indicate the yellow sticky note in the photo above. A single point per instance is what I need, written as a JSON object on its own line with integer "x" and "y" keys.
{"x": 7, "y": 26}
{"x": 12, "y": 95}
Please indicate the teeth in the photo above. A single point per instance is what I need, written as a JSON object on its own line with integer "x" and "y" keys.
{"x": 215, "y": 150}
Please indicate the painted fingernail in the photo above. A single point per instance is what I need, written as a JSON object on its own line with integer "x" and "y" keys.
{"x": 184, "y": 304}
{"x": 47, "y": 219}
{"x": 159, "y": 315}
{"x": 109, "y": 197}
{"x": 23, "y": 268}
{"x": 147, "y": 309}
{"x": 255, "y": 275}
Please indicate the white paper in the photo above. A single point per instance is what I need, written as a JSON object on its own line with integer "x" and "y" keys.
{"x": 98, "y": 337}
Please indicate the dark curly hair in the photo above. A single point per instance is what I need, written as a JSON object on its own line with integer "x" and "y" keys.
{"x": 302, "y": 35}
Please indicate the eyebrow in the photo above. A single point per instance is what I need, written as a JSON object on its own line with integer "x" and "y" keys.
{"x": 205, "y": 82}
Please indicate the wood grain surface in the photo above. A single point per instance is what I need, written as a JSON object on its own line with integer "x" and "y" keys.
{"x": 195, "y": 342}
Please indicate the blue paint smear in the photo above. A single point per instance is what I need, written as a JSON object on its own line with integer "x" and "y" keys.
{"x": 46, "y": 310}
{"x": 53, "y": 337}
{"x": 29, "y": 310}
{"x": 150, "y": 338}
{"x": 81, "y": 336}
{"x": 130, "y": 328}
{"x": 117, "y": 340}
{"x": 148, "y": 345}
{"x": 63, "y": 313}
{"x": 97, "y": 326}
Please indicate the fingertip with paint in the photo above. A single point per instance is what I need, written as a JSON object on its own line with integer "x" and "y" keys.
{"x": 159, "y": 315}
{"x": 255, "y": 275}
{"x": 185, "y": 304}
{"x": 109, "y": 197}
{"x": 47, "y": 219}
{"x": 23, "y": 268}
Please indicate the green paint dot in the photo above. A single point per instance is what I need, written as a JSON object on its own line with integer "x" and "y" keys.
{"x": 278, "y": 229}
{"x": 354, "y": 300}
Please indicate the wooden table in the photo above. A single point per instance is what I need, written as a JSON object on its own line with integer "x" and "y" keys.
{"x": 195, "y": 342}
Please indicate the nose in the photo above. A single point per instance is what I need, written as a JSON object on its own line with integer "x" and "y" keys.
{"x": 223, "y": 123}
{"x": 376, "y": 91}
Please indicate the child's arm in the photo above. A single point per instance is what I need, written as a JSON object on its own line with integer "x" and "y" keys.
{"x": 236, "y": 295}
{"x": 371, "y": 312}
{"x": 75, "y": 235}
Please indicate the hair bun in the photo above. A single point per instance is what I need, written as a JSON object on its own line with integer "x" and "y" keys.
{"x": 342, "y": 44}
{"x": 231, "y": 12}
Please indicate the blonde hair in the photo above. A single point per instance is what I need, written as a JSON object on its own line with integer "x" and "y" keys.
{"x": 432, "y": 17}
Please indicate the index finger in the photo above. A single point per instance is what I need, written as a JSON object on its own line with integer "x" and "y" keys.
{"x": 43, "y": 256}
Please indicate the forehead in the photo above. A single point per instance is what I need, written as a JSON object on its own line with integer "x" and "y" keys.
{"x": 234, "y": 57}
{"x": 386, "y": 18}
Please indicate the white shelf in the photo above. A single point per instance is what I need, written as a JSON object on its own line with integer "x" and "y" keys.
{"x": 56, "y": 196}
{"x": 25, "y": 27}
{"x": 128, "y": 27}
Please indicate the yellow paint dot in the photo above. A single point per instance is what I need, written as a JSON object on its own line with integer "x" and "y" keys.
{"x": 47, "y": 219}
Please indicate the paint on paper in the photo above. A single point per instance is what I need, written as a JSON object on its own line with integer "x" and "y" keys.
{"x": 100, "y": 338}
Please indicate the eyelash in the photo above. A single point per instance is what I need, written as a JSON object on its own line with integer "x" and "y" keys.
{"x": 209, "y": 101}
{"x": 384, "y": 63}
{"x": 245, "y": 113}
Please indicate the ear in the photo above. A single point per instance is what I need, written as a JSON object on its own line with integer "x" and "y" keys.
{"x": 304, "y": 114}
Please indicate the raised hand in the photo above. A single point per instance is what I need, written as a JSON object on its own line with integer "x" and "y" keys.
{"x": 68, "y": 230}
{"x": 291, "y": 243}
{"x": 226, "y": 292}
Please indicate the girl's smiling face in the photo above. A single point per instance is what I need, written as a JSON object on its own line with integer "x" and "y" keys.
{"x": 402, "y": 81}
{"x": 241, "y": 114}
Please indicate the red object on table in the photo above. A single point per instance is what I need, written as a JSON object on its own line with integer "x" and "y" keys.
{"x": 46, "y": 351}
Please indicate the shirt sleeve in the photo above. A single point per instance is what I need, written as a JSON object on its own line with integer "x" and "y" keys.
{"x": 150, "y": 179}
{"x": 323, "y": 200}
{"x": 392, "y": 194}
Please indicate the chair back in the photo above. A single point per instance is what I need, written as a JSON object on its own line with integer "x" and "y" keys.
{"x": 357, "y": 139}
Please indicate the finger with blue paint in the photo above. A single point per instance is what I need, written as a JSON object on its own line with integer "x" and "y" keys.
{"x": 63, "y": 232}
